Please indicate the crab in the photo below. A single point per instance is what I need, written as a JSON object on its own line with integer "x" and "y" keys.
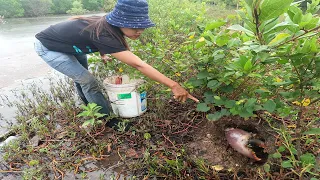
{"x": 244, "y": 143}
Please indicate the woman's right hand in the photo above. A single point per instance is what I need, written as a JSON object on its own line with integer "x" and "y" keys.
{"x": 180, "y": 94}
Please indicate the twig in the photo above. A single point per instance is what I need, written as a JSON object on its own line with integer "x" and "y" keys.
{"x": 120, "y": 155}
{"x": 9, "y": 171}
{"x": 64, "y": 140}
{"x": 168, "y": 140}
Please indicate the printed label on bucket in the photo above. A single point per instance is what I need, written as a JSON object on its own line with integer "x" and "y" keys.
{"x": 143, "y": 98}
{"x": 124, "y": 96}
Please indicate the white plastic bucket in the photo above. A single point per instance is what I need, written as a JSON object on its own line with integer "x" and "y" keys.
{"x": 125, "y": 99}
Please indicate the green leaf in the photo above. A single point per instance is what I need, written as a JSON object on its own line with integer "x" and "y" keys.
{"x": 84, "y": 107}
{"x": 286, "y": 164}
{"x": 283, "y": 61}
{"x": 209, "y": 99}
{"x": 219, "y": 101}
{"x": 196, "y": 82}
{"x": 203, "y": 75}
{"x": 282, "y": 148}
{"x": 230, "y": 104}
{"x": 245, "y": 113}
{"x": 312, "y": 24}
{"x": 227, "y": 89}
{"x": 237, "y": 27}
{"x": 249, "y": 2}
{"x": 270, "y": 106}
{"x": 214, "y": 84}
{"x": 293, "y": 150}
{"x": 281, "y": 25}
{"x": 295, "y": 14}
{"x": 313, "y": 131}
{"x": 305, "y": 19}
{"x": 297, "y": 18}
{"x": 84, "y": 114}
{"x": 216, "y": 116}
{"x": 266, "y": 167}
{"x": 203, "y": 107}
{"x": 240, "y": 63}
{"x": 86, "y": 123}
{"x": 248, "y": 66}
{"x": 200, "y": 44}
{"x": 214, "y": 25}
{"x": 273, "y": 8}
{"x": 250, "y": 103}
{"x": 33, "y": 162}
{"x": 308, "y": 158}
{"x": 92, "y": 105}
{"x": 222, "y": 40}
{"x": 279, "y": 38}
{"x": 147, "y": 136}
{"x": 276, "y": 155}
{"x": 99, "y": 115}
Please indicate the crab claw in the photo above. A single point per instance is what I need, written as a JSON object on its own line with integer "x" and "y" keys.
{"x": 241, "y": 141}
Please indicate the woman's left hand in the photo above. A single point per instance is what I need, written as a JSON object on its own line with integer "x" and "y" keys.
{"x": 106, "y": 58}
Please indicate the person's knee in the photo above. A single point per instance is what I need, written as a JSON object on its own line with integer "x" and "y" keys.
{"x": 88, "y": 81}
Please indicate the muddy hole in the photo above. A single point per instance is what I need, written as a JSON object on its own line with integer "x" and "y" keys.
{"x": 211, "y": 145}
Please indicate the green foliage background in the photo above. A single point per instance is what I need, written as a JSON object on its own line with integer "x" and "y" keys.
{"x": 33, "y": 8}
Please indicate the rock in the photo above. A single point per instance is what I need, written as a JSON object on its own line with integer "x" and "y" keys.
{"x": 35, "y": 141}
{"x": 8, "y": 140}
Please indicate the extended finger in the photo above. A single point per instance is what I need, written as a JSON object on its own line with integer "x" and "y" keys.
{"x": 184, "y": 98}
{"x": 193, "y": 98}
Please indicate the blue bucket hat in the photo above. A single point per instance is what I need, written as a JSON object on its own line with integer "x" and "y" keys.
{"x": 130, "y": 14}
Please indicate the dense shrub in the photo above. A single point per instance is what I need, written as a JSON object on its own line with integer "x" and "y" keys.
{"x": 11, "y": 8}
{"x": 61, "y": 6}
{"x": 92, "y": 5}
{"x": 77, "y": 8}
{"x": 36, "y": 7}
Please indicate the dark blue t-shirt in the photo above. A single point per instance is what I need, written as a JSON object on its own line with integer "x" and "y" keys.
{"x": 69, "y": 37}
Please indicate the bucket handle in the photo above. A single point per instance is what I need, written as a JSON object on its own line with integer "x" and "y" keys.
{"x": 136, "y": 87}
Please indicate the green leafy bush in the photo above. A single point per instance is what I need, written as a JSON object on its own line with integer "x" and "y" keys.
{"x": 61, "y": 6}
{"x": 77, "y": 8}
{"x": 92, "y": 5}
{"x": 91, "y": 112}
{"x": 36, "y": 7}
{"x": 267, "y": 63}
{"x": 11, "y": 8}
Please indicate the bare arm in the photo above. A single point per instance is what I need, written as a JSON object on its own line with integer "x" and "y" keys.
{"x": 134, "y": 61}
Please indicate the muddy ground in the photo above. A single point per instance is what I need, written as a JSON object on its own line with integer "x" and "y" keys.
{"x": 172, "y": 126}
{"x": 210, "y": 142}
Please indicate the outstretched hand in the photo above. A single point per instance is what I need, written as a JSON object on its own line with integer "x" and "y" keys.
{"x": 180, "y": 94}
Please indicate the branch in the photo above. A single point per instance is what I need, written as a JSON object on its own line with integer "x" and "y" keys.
{"x": 306, "y": 32}
{"x": 257, "y": 23}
